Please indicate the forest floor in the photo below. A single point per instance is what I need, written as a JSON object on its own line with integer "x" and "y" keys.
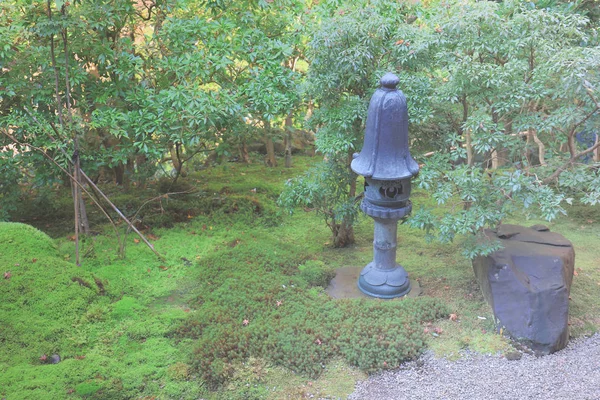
{"x": 237, "y": 310}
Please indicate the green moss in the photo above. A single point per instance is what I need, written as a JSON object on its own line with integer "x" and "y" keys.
{"x": 316, "y": 273}
{"x": 87, "y": 389}
{"x": 127, "y": 307}
{"x": 174, "y": 328}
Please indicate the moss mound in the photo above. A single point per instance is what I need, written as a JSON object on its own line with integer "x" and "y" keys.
{"x": 43, "y": 299}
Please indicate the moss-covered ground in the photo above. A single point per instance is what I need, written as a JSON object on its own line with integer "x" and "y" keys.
{"x": 237, "y": 310}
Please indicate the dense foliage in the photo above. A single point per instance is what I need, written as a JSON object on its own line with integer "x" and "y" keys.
{"x": 502, "y": 96}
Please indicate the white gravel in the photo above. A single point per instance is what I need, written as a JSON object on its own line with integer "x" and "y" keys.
{"x": 571, "y": 374}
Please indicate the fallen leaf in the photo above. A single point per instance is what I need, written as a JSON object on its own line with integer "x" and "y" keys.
{"x": 79, "y": 357}
{"x": 7, "y": 275}
{"x": 575, "y": 273}
{"x": 399, "y": 42}
{"x": 163, "y": 267}
{"x": 34, "y": 260}
{"x": 453, "y": 317}
{"x": 438, "y": 330}
{"x": 136, "y": 241}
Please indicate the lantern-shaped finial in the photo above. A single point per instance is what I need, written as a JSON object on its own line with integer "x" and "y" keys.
{"x": 388, "y": 167}
{"x": 385, "y": 154}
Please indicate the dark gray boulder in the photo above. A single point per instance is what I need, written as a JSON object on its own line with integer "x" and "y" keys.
{"x": 527, "y": 284}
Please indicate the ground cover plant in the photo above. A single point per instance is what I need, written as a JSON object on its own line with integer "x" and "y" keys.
{"x": 237, "y": 309}
{"x": 178, "y": 110}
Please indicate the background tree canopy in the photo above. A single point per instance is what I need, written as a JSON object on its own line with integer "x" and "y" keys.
{"x": 503, "y": 97}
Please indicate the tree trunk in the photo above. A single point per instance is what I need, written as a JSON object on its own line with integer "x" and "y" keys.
{"x": 140, "y": 160}
{"x": 596, "y": 152}
{"x": 176, "y": 159}
{"x": 119, "y": 171}
{"x": 541, "y": 147}
{"x": 343, "y": 234}
{"x": 288, "y": 141}
{"x": 83, "y": 218}
{"x": 129, "y": 169}
{"x": 470, "y": 158}
{"x": 244, "y": 155}
{"x": 270, "y": 160}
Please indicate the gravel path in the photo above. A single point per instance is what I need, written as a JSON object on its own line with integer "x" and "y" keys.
{"x": 572, "y": 373}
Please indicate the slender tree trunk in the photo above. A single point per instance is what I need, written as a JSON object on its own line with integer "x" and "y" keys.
{"x": 271, "y": 161}
{"x": 175, "y": 151}
{"x": 466, "y": 132}
{"x": 129, "y": 169}
{"x": 495, "y": 161}
{"x": 470, "y": 158}
{"x": 244, "y": 155}
{"x": 79, "y": 205}
{"x": 140, "y": 161}
{"x": 288, "y": 141}
{"x": 343, "y": 233}
{"x": 541, "y": 147}
{"x": 119, "y": 171}
{"x": 85, "y": 223}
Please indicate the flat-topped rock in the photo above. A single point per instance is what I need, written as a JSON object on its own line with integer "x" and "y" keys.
{"x": 527, "y": 284}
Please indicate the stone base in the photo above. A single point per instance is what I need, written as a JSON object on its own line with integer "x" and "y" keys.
{"x": 344, "y": 285}
{"x": 384, "y": 284}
